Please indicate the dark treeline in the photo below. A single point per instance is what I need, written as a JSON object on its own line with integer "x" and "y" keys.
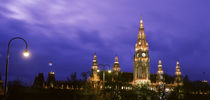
{"x": 81, "y": 89}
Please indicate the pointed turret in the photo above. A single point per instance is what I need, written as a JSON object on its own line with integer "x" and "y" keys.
{"x": 178, "y": 75}
{"x": 141, "y": 30}
{"x": 142, "y": 43}
{"x": 141, "y": 23}
{"x": 116, "y": 60}
{"x": 159, "y": 62}
{"x": 116, "y": 66}
{"x": 160, "y": 68}
{"x": 95, "y": 77}
{"x": 178, "y": 72}
{"x": 160, "y": 73}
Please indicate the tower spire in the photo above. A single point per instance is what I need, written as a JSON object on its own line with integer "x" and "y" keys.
{"x": 177, "y": 64}
{"x": 159, "y": 62}
{"x": 95, "y": 60}
{"x": 178, "y": 72}
{"x": 141, "y": 23}
{"x": 116, "y": 59}
{"x": 160, "y": 68}
{"x": 141, "y": 30}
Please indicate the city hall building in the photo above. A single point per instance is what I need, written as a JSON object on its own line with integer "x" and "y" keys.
{"x": 141, "y": 68}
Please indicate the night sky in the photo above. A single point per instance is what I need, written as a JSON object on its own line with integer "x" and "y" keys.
{"x": 69, "y": 32}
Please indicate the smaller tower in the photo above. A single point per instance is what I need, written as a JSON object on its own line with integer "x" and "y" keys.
{"x": 160, "y": 78}
{"x": 95, "y": 76}
{"x": 51, "y": 77}
{"x": 51, "y": 80}
{"x": 178, "y": 75}
{"x": 116, "y": 66}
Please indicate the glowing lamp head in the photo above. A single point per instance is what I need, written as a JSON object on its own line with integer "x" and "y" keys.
{"x": 98, "y": 70}
{"x": 26, "y": 53}
{"x": 109, "y": 71}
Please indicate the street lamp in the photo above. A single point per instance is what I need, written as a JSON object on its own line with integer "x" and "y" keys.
{"x": 98, "y": 70}
{"x": 26, "y": 54}
{"x": 109, "y": 71}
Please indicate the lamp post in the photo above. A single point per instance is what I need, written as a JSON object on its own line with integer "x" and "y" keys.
{"x": 109, "y": 71}
{"x": 26, "y": 54}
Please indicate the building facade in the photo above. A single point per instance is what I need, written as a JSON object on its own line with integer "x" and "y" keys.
{"x": 141, "y": 67}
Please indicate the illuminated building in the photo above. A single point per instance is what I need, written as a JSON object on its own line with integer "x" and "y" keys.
{"x": 141, "y": 67}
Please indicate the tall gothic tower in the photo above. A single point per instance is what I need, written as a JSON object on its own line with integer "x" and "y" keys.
{"x": 141, "y": 61}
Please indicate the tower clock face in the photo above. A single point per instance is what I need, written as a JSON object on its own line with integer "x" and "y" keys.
{"x": 143, "y": 54}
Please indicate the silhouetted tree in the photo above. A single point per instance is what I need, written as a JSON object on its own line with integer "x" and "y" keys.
{"x": 39, "y": 81}
{"x": 84, "y": 75}
{"x": 74, "y": 76}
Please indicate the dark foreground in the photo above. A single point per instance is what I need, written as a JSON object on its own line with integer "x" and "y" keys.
{"x": 58, "y": 94}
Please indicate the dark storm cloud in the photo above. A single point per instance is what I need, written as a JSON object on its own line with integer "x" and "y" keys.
{"x": 69, "y": 32}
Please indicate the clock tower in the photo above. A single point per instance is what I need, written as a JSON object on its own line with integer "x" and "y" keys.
{"x": 141, "y": 61}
